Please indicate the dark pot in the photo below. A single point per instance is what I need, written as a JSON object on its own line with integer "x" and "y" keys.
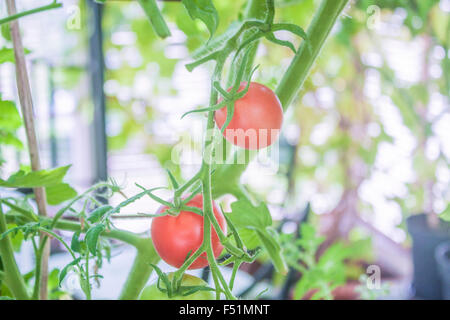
{"x": 443, "y": 262}
{"x": 426, "y": 278}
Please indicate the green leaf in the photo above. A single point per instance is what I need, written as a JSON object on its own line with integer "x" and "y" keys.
{"x": 245, "y": 214}
{"x": 249, "y": 238}
{"x": 6, "y": 55}
{"x": 92, "y": 236}
{"x": 35, "y": 179}
{"x": 269, "y": 240}
{"x": 16, "y": 238}
{"x": 98, "y": 213}
{"x": 205, "y": 11}
{"x": 9, "y": 115}
{"x": 75, "y": 244}
{"x": 59, "y": 193}
{"x": 257, "y": 219}
{"x": 9, "y": 138}
{"x": 66, "y": 269}
{"x": 217, "y": 42}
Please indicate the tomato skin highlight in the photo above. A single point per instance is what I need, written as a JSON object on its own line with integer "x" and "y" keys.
{"x": 174, "y": 237}
{"x": 259, "y": 114}
{"x": 153, "y": 293}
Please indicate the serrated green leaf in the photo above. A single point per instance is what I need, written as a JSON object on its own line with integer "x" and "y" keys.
{"x": 245, "y": 214}
{"x": 205, "y": 11}
{"x": 258, "y": 222}
{"x": 35, "y": 179}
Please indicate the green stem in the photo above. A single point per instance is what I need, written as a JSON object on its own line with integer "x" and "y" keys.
{"x": 15, "y": 280}
{"x": 13, "y": 17}
{"x": 178, "y": 275}
{"x": 318, "y": 31}
{"x": 37, "y": 270}
{"x": 156, "y": 19}
{"x": 215, "y": 268}
{"x": 236, "y": 266}
{"x": 86, "y": 275}
{"x": 140, "y": 271}
{"x": 64, "y": 224}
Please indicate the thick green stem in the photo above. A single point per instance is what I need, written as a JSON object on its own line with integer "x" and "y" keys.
{"x": 124, "y": 236}
{"x": 318, "y": 31}
{"x": 32, "y": 11}
{"x": 11, "y": 271}
{"x": 140, "y": 271}
{"x": 156, "y": 19}
{"x": 37, "y": 272}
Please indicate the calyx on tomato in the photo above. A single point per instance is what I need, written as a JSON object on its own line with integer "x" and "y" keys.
{"x": 192, "y": 288}
{"x": 176, "y": 237}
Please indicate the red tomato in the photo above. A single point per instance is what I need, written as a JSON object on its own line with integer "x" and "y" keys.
{"x": 257, "y": 118}
{"x": 174, "y": 237}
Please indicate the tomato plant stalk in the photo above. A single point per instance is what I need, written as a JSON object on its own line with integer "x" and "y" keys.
{"x": 318, "y": 32}
{"x": 12, "y": 276}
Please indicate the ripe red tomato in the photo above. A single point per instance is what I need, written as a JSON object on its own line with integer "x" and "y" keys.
{"x": 174, "y": 237}
{"x": 257, "y": 118}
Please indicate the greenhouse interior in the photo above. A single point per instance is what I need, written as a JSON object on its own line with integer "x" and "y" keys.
{"x": 225, "y": 150}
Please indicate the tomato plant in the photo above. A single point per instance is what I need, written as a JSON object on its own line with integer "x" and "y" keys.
{"x": 192, "y": 288}
{"x": 257, "y": 118}
{"x": 177, "y": 237}
{"x": 187, "y": 232}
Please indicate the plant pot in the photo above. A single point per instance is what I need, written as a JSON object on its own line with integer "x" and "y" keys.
{"x": 426, "y": 278}
{"x": 443, "y": 262}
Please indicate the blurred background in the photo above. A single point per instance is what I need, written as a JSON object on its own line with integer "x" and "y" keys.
{"x": 364, "y": 146}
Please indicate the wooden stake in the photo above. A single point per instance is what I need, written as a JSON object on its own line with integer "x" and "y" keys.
{"x": 26, "y": 104}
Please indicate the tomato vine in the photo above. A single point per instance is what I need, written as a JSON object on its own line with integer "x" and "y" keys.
{"x": 238, "y": 43}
